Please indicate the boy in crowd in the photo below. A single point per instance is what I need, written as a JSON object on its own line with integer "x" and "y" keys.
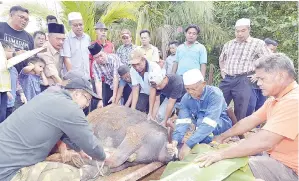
{"x": 31, "y": 77}
{"x": 171, "y": 58}
{"x": 125, "y": 79}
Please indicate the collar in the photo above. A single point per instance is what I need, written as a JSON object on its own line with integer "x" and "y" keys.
{"x": 146, "y": 66}
{"x": 196, "y": 42}
{"x": 289, "y": 88}
{"x": 203, "y": 95}
{"x": 150, "y": 47}
{"x": 130, "y": 45}
{"x": 73, "y": 35}
{"x": 248, "y": 40}
{"x": 106, "y": 44}
{"x": 52, "y": 50}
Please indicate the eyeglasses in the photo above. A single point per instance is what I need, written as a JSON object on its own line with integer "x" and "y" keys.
{"x": 23, "y": 18}
{"x": 87, "y": 98}
{"x": 77, "y": 25}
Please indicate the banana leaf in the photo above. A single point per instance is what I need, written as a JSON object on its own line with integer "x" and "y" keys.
{"x": 228, "y": 170}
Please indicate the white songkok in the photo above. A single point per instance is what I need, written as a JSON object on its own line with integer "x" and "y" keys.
{"x": 192, "y": 76}
{"x": 157, "y": 75}
{"x": 243, "y": 22}
{"x": 74, "y": 16}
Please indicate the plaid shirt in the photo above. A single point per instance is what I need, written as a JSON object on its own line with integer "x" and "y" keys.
{"x": 107, "y": 70}
{"x": 124, "y": 52}
{"x": 238, "y": 57}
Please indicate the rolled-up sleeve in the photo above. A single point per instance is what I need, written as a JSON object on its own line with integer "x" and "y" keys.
{"x": 134, "y": 77}
{"x": 66, "y": 48}
{"x": 181, "y": 129}
{"x": 203, "y": 55}
{"x": 80, "y": 133}
{"x": 208, "y": 123}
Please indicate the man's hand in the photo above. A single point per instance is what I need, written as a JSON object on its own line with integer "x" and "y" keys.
{"x": 208, "y": 159}
{"x": 219, "y": 139}
{"x": 150, "y": 117}
{"x": 222, "y": 74}
{"x": 84, "y": 155}
{"x": 9, "y": 96}
{"x": 66, "y": 155}
{"x": 172, "y": 148}
{"x": 184, "y": 151}
{"x": 20, "y": 52}
{"x": 100, "y": 104}
{"x": 112, "y": 99}
{"x": 253, "y": 78}
{"x": 23, "y": 98}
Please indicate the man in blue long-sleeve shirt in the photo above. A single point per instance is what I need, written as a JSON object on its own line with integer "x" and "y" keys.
{"x": 205, "y": 107}
{"x": 28, "y": 135}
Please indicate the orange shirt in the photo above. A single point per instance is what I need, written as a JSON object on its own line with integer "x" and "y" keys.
{"x": 282, "y": 118}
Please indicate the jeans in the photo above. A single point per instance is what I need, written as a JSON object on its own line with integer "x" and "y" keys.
{"x": 162, "y": 109}
{"x": 256, "y": 101}
{"x": 3, "y": 106}
{"x": 239, "y": 90}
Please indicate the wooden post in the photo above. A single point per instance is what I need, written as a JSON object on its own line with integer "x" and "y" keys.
{"x": 211, "y": 74}
{"x": 142, "y": 171}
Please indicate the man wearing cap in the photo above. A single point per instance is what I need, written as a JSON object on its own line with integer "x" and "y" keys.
{"x": 151, "y": 52}
{"x": 75, "y": 47}
{"x": 125, "y": 80}
{"x": 124, "y": 51}
{"x": 140, "y": 79}
{"x": 271, "y": 44}
{"x": 237, "y": 70}
{"x": 205, "y": 107}
{"x": 171, "y": 86}
{"x": 52, "y": 57}
{"x": 28, "y": 134}
{"x": 190, "y": 54}
{"x": 105, "y": 65}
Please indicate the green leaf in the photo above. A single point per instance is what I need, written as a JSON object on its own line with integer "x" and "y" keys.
{"x": 188, "y": 170}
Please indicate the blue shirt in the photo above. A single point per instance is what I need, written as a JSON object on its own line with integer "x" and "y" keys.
{"x": 209, "y": 114}
{"x": 123, "y": 83}
{"x": 30, "y": 84}
{"x": 190, "y": 57}
{"x": 143, "y": 81}
{"x": 13, "y": 78}
{"x": 77, "y": 50}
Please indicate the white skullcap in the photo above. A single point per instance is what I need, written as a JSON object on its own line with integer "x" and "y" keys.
{"x": 243, "y": 22}
{"x": 156, "y": 75}
{"x": 74, "y": 16}
{"x": 192, "y": 76}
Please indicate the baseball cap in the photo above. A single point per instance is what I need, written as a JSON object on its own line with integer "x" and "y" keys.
{"x": 81, "y": 83}
{"x": 192, "y": 76}
{"x": 156, "y": 75}
{"x": 136, "y": 55}
{"x": 72, "y": 74}
{"x": 100, "y": 25}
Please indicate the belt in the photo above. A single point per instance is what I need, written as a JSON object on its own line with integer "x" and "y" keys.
{"x": 239, "y": 75}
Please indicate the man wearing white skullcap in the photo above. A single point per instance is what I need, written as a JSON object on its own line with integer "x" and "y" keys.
{"x": 75, "y": 47}
{"x": 205, "y": 107}
{"x": 236, "y": 63}
{"x": 171, "y": 86}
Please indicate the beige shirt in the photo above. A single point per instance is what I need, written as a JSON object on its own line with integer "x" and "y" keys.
{"x": 53, "y": 62}
{"x": 151, "y": 54}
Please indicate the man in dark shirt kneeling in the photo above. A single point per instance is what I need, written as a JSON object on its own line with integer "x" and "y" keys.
{"x": 29, "y": 134}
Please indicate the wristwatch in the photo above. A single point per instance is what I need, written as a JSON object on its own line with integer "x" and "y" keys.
{"x": 14, "y": 54}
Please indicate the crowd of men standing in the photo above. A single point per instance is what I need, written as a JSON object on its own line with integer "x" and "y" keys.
{"x": 137, "y": 77}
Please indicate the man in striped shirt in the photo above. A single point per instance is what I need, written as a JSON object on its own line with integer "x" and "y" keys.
{"x": 105, "y": 65}
{"x": 237, "y": 66}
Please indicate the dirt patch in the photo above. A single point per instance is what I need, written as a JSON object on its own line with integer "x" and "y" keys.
{"x": 135, "y": 135}
{"x": 118, "y": 175}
